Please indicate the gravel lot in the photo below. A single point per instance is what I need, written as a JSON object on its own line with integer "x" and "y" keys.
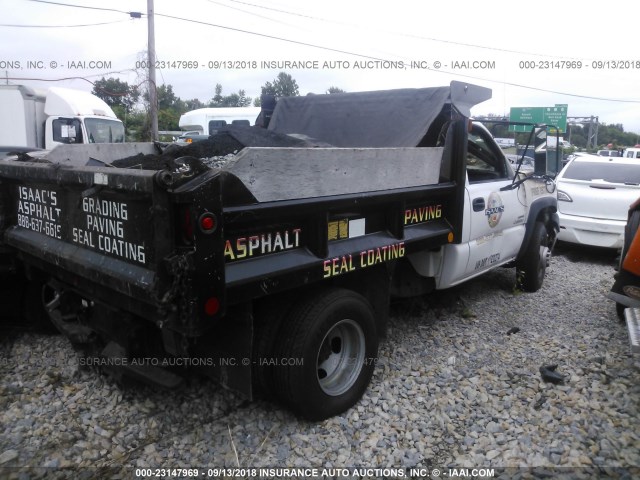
{"x": 452, "y": 389}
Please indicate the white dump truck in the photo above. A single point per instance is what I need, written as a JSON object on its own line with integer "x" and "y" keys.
{"x": 274, "y": 274}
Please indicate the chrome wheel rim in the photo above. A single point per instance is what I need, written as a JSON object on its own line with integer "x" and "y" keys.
{"x": 340, "y": 357}
{"x": 545, "y": 256}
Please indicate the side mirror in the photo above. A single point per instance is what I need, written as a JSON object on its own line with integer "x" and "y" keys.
{"x": 547, "y": 153}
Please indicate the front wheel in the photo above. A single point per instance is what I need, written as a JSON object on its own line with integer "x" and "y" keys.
{"x": 328, "y": 351}
{"x": 533, "y": 266}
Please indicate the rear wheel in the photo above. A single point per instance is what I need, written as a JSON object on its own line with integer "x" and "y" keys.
{"x": 37, "y": 295}
{"x": 327, "y": 350}
{"x": 533, "y": 266}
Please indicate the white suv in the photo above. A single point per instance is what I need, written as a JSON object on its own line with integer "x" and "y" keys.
{"x": 594, "y": 195}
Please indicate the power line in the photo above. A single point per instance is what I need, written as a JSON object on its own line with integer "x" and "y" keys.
{"x": 346, "y": 52}
{"x": 62, "y": 26}
{"x": 402, "y": 34}
{"x": 133, "y": 14}
{"x": 251, "y": 13}
{"x": 200, "y": 22}
{"x": 79, "y": 78}
{"x": 264, "y": 35}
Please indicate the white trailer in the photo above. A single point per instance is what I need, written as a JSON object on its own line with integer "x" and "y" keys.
{"x": 45, "y": 118}
{"x": 207, "y": 121}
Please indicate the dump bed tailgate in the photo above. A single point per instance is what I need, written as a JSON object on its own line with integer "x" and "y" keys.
{"x": 96, "y": 228}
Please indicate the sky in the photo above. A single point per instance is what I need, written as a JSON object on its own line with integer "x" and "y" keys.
{"x": 529, "y": 54}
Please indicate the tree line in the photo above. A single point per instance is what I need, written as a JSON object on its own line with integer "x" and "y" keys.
{"x": 131, "y": 103}
{"x": 609, "y": 135}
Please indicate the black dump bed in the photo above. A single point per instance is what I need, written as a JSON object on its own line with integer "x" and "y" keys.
{"x": 160, "y": 235}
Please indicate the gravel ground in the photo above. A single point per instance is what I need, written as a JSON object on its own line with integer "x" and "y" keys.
{"x": 452, "y": 389}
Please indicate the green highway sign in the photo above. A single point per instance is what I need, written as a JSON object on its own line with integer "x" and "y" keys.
{"x": 556, "y": 116}
{"x": 526, "y": 114}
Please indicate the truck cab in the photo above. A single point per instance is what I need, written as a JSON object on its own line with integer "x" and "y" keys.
{"x": 506, "y": 219}
{"x": 494, "y": 226}
{"x": 38, "y": 118}
{"x": 74, "y": 116}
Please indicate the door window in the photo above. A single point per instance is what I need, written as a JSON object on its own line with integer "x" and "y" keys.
{"x": 483, "y": 163}
{"x": 67, "y": 130}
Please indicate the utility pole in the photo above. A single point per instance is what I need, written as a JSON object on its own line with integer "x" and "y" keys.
{"x": 153, "y": 93}
{"x": 592, "y": 134}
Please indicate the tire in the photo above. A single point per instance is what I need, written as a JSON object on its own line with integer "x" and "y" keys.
{"x": 533, "y": 266}
{"x": 331, "y": 344}
{"x": 36, "y": 294}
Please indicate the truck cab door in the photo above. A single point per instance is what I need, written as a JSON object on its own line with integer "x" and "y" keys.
{"x": 62, "y": 130}
{"x": 497, "y": 217}
{"x": 494, "y": 223}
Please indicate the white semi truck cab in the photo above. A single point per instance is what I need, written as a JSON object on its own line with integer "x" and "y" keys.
{"x": 46, "y": 118}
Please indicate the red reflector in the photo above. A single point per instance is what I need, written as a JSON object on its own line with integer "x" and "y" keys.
{"x": 207, "y": 222}
{"x": 212, "y": 306}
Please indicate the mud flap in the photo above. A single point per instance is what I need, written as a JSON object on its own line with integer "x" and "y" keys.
{"x": 141, "y": 372}
{"x": 225, "y": 352}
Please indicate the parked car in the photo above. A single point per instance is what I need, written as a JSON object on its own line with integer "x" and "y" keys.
{"x": 632, "y": 152}
{"x": 594, "y": 195}
{"x": 571, "y": 156}
{"x": 190, "y": 132}
{"x": 609, "y": 153}
{"x": 190, "y": 137}
{"x": 527, "y": 162}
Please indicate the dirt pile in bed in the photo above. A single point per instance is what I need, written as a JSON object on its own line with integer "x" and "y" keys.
{"x": 229, "y": 141}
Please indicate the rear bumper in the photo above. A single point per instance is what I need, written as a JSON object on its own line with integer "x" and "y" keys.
{"x": 93, "y": 276}
{"x": 587, "y": 231}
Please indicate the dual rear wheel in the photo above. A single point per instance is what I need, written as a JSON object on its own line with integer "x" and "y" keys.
{"x": 322, "y": 358}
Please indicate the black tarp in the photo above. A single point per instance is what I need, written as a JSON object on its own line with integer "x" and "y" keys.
{"x": 385, "y": 118}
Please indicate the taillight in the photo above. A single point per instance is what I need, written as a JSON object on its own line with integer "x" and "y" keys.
{"x": 211, "y": 306}
{"x": 207, "y": 222}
